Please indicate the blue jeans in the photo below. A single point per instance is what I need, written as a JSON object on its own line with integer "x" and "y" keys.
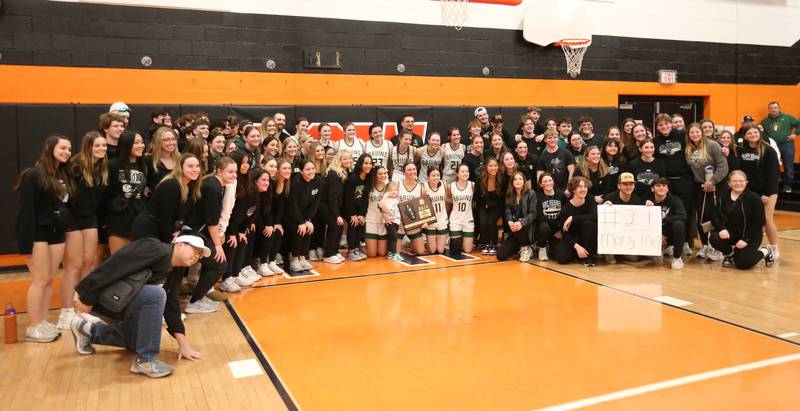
{"x": 787, "y": 156}
{"x": 140, "y": 329}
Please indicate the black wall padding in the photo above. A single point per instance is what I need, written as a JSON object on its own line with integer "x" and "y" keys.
{"x": 24, "y": 127}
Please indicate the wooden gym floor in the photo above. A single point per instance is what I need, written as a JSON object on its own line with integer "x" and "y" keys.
{"x": 475, "y": 334}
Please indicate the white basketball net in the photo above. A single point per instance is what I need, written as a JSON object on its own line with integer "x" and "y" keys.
{"x": 454, "y": 13}
{"x": 574, "y": 49}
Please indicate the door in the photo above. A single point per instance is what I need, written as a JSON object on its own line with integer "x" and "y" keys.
{"x": 645, "y": 108}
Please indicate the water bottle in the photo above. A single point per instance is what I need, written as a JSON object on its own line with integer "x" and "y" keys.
{"x": 10, "y": 323}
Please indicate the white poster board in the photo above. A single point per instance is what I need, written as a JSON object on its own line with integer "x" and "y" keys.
{"x": 628, "y": 230}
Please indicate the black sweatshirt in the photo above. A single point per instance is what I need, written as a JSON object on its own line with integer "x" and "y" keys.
{"x": 614, "y": 198}
{"x": 599, "y": 183}
{"x": 489, "y": 200}
{"x": 580, "y": 215}
{"x": 242, "y": 215}
{"x": 155, "y": 175}
{"x": 549, "y": 209}
{"x": 209, "y": 208}
{"x": 474, "y": 164}
{"x": 37, "y": 208}
{"x": 671, "y": 209}
{"x": 87, "y": 199}
{"x": 355, "y": 200}
{"x": 743, "y": 217}
{"x": 671, "y": 149}
{"x": 145, "y": 253}
{"x": 126, "y": 190}
{"x": 304, "y": 199}
{"x": 763, "y": 172}
{"x": 166, "y": 208}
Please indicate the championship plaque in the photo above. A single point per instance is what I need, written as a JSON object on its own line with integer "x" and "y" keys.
{"x": 416, "y": 212}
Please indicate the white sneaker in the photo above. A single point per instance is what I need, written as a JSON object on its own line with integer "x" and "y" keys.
{"x": 714, "y": 255}
{"x": 278, "y": 260}
{"x": 65, "y": 318}
{"x": 687, "y": 251}
{"x": 774, "y": 249}
{"x": 525, "y": 254}
{"x": 210, "y": 303}
{"x": 677, "y": 263}
{"x": 247, "y": 277}
{"x": 275, "y": 268}
{"x": 199, "y": 307}
{"x": 241, "y": 281}
{"x": 668, "y": 250}
{"x": 543, "y": 254}
{"x": 332, "y": 260}
{"x": 343, "y": 241}
{"x": 83, "y": 343}
{"x": 340, "y": 258}
{"x": 52, "y": 327}
{"x": 701, "y": 253}
{"x": 230, "y": 286}
{"x": 295, "y": 266}
{"x": 40, "y": 333}
{"x": 90, "y": 318}
{"x": 312, "y": 255}
{"x": 263, "y": 270}
{"x": 320, "y": 252}
{"x": 306, "y": 265}
{"x": 356, "y": 255}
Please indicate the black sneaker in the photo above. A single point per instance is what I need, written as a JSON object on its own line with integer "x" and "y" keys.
{"x": 588, "y": 262}
{"x": 727, "y": 262}
{"x": 769, "y": 257}
{"x": 492, "y": 250}
{"x": 486, "y": 250}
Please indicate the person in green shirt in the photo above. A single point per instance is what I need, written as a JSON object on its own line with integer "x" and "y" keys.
{"x": 782, "y": 128}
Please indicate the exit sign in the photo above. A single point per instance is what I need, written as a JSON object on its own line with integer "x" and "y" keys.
{"x": 667, "y": 76}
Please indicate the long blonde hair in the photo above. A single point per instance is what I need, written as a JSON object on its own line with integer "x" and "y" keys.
{"x": 155, "y": 146}
{"x": 701, "y": 147}
{"x": 336, "y": 165}
{"x": 321, "y": 165}
{"x": 583, "y": 164}
{"x": 177, "y": 175}
{"x": 86, "y": 167}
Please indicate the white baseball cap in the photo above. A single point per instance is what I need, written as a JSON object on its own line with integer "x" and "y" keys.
{"x": 119, "y": 107}
{"x": 195, "y": 242}
{"x": 480, "y": 110}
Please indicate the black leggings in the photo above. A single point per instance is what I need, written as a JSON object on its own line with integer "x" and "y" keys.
{"x": 210, "y": 271}
{"x": 268, "y": 247}
{"x": 355, "y": 235}
{"x": 299, "y": 244}
{"x": 704, "y": 214}
{"x": 237, "y": 256}
{"x": 512, "y": 244}
{"x": 544, "y": 233}
{"x": 585, "y": 235}
{"x": 391, "y": 237}
{"x": 684, "y": 188}
{"x": 488, "y": 224}
{"x": 329, "y": 232}
{"x": 744, "y": 258}
{"x": 676, "y": 236}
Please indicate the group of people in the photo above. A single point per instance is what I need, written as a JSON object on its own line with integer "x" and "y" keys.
{"x": 200, "y": 201}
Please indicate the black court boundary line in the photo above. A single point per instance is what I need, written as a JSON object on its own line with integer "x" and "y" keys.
{"x": 273, "y": 376}
{"x": 711, "y": 317}
{"x": 350, "y": 277}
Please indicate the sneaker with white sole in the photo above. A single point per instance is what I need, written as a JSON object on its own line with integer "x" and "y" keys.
{"x": 775, "y": 253}
{"x": 295, "y": 266}
{"x": 668, "y": 250}
{"x": 306, "y": 265}
{"x": 264, "y": 271}
{"x": 211, "y": 303}
{"x": 769, "y": 256}
{"x": 356, "y": 255}
{"x": 702, "y": 252}
{"x": 677, "y": 263}
{"x": 90, "y": 318}
{"x": 52, "y": 327}
{"x": 83, "y": 343}
{"x": 714, "y": 255}
{"x": 312, "y": 255}
{"x": 40, "y": 333}
{"x": 340, "y": 258}
{"x": 687, "y": 251}
{"x": 275, "y": 268}
{"x": 65, "y": 318}
{"x": 320, "y": 252}
{"x": 728, "y": 261}
{"x": 154, "y": 368}
{"x": 525, "y": 254}
{"x": 241, "y": 281}
{"x": 278, "y": 259}
{"x": 250, "y": 274}
{"x": 543, "y": 254}
{"x": 199, "y": 307}
{"x": 230, "y": 286}
{"x": 332, "y": 260}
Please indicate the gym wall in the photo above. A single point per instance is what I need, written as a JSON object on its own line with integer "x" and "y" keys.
{"x": 62, "y": 63}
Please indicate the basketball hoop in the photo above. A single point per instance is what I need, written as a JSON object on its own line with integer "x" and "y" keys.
{"x": 454, "y": 13}
{"x": 574, "y": 49}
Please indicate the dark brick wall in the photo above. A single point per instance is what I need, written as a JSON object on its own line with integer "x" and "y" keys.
{"x": 69, "y": 34}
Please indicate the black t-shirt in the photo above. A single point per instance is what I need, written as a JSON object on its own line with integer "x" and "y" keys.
{"x": 595, "y": 140}
{"x": 645, "y": 173}
{"x": 549, "y": 208}
{"x": 210, "y": 205}
{"x": 112, "y": 151}
{"x": 614, "y": 198}
{"x": 556, "y": 164}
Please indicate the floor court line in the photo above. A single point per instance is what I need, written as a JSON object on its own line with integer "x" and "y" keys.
{"x": 276, "y": 380}
{"x": 744, "y": 327}
{"x": 663, "y": 385}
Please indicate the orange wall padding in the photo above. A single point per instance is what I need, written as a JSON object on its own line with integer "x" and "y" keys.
{"x": 725, "y": 103}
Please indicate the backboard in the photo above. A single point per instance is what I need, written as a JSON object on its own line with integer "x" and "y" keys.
{"x": 549, "y": 21}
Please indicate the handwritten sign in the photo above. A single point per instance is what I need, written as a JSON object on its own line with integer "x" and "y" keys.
{"x": 628, "y": 230}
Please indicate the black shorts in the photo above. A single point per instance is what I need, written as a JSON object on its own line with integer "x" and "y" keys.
{"x": 49, "y": 235}
{"x": 83, "y": 223}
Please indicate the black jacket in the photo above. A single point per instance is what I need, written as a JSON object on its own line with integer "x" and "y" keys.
{"x": 304, "y": 199}
{"x": 146, "y": 253}
{"x": 355, "y": 199}
{"x": 671, "y": 210}
{"x": 671, "y": 149}
{"x": 332, "y": 196}
{"x": 743, "y": 217}
{"x": 37, "y": 208}
{"x": 763, "y": 172}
